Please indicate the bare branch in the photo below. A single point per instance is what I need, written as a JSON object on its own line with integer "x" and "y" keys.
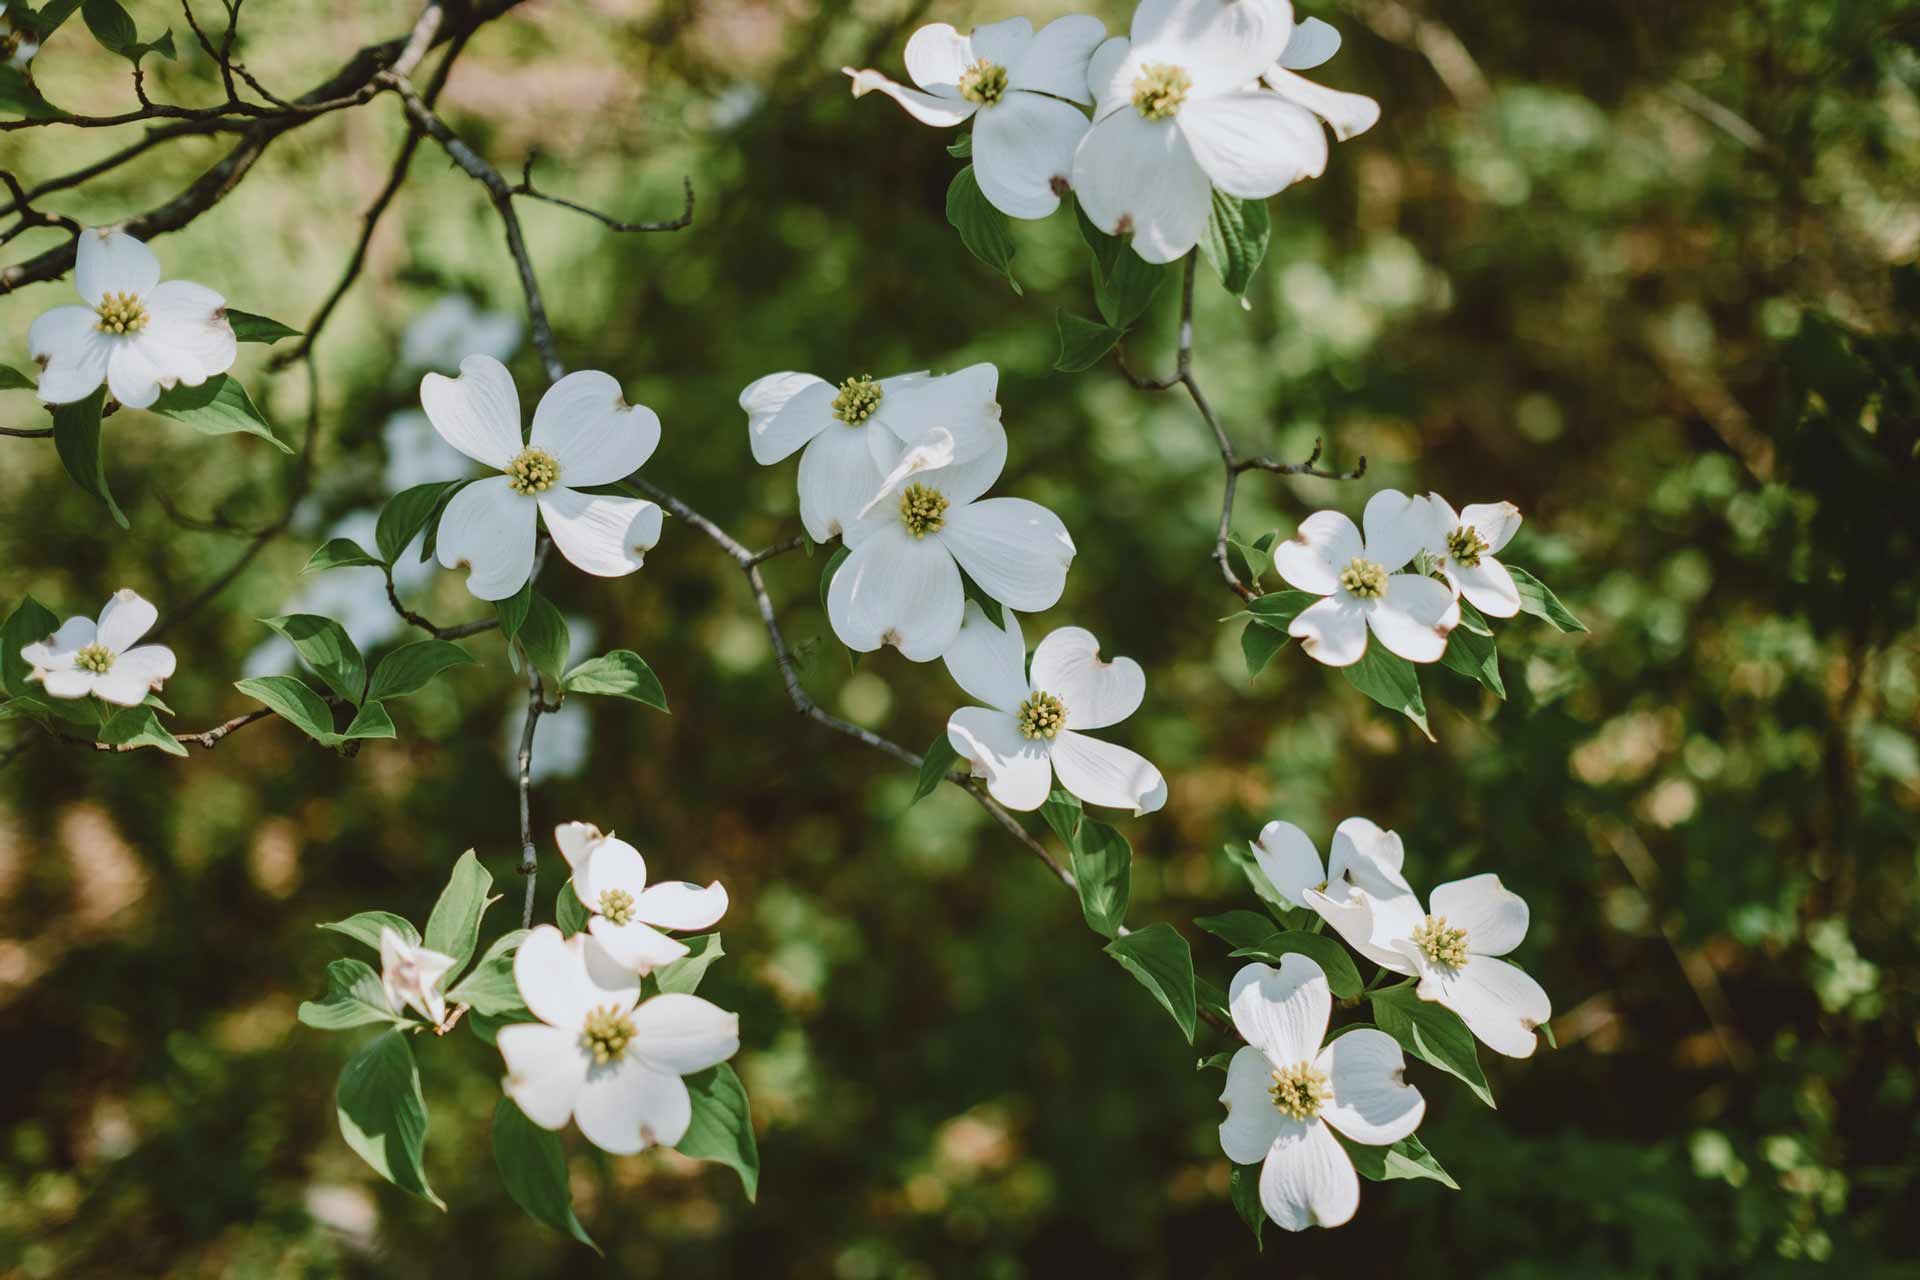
{"x": 526, "y": 188}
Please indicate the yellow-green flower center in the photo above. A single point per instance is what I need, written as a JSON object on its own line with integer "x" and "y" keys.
{"x": 95, "y": 658}
{"x": 1042, "y": 716}
{"x": 857, "y": 400}
{"x": 984, "y": 82}
{"x": 1465, "y": 546}
{"x": 1363, "y": 578}
{"x": 1441, "y": 944}
{"x": 616, "y": 905}
{"x": 1159, "y": 90}
{"x": 532, "y": 471}
{"x": 1299, "y": 1091}
{"x": 923, "y": 510}
{"x": 121, "y": 313}
{"x": 607, "y": 1033}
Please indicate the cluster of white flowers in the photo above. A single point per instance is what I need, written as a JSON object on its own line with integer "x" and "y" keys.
{"x": 1200, "y": 96}
{"x": 103, "y": 658}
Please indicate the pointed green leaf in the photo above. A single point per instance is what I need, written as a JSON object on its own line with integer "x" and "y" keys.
{"x": 11, "y": 379}
{"x": 569, "y": 912}
{"x": 406, "y": 513}
{"x": 383, "y": 1116}
{"x": 324, "y": 646}
{"x": 1391, "y": 681}
{"x": 365, "y": 927}
{"x": 1103, "y": 869}
{"x": 985, "y": 230}
{"x": 1063, "y": 813}
{"x": 620, "y": 674}
{"x": 454, "y": 926}
{"x": 1083, "y": 343}
{"x": 354, "y": 998}
{"x": 489, "y": 988}
{"x": 1432, "y": 1033}
{"x": 684, "y": 975}
{"x": 1407, "y": 1158}
{"x": 1236, "y": 240}
{"x": 722, "y": 1127}
{"x": 1162, "y": 962}
{"x": 934, "y": 765}
{"x": 340, "y": 553}
{"x": 218, "y": 406}
{"x": 139, "y": 727}
{"x": 513, "y": 612}
{"x": 371, "y": 721}
{"x": 1242, "y": 857}
{"x": 1471, "y": 651}
{"x": 29, "y": 623}
{"x": 409, "y": 668}
{"x": 1243, "y": 1187}
{"x": 248, "y": 327}
{"x": 1537, "y": 600}
{"x": 1258, "y": 644}
{"x": 1342, "y": 976}
{"x": 544, "y": 636}
{"x": 295, "y": 703}
{"x": 827, "y": 570}
{"x": 534, "y": 1167}
{"x": 76, "y": 436}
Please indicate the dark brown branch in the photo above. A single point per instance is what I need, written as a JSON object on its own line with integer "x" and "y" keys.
{"x": 527, "y": 189}
{"x": 529, "y": 855}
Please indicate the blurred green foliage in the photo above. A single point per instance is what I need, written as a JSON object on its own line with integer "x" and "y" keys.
{"x": 1647, "y": 270}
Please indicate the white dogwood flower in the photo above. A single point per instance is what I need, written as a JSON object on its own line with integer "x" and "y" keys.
{"x": 1453, "y": 949}
{"x": 600, "y": 1057}
{"x": 901, "y": 586}
{"x": 627, "y": 914}
{"x": 1033, "y": 729}
{"x": 584, "y": 434}
{"x": 412, "y": 974}
{"x": 1178, "y": 111}
{"x": 1410, "y": 613}
{"x": 102, "y": 658}
{"x": 853, "y": 433}
{"x": 1018, "y": 87}
{"x": 1463, "y": 545}
{"x": 1312, "y": 43}
{"x": 1359, "y": 890}
{"x": 138, "y": 335}
{"x": 1285, "y": 1093}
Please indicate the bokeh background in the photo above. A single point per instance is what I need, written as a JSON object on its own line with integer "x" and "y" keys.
{"x": 1646, "y": 269}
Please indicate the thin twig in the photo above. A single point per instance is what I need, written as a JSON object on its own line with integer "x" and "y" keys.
{"x": 527, "y": 189}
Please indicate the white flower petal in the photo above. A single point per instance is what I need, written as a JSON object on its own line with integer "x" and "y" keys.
{"x": 934, "y": 452}
{"x": 598, "y": 533}
{"x": 1003, "y": 43}
{"x": 966, "y": 476}
{"x": 1372, "y": 1101}
{"x": 1487, "y": 586}
{"x": 562, "y": 980}
{"x": 1138, "y": 177}
{"x": 680, "y": 904}
{"x": 1016, "y": 550}
{"x": 1254, "y": 144}
{"x": 134, "y": 674}
{"x": 1348, "y": 114}
{"x": 1288, "y": 857}
{"x": 989, "y": 662}
{"x": 69, "y": 683}
{"x": 545, "y": 1070}
{"x": 1109, "y": 89}
{"x": 936, "y": 55}
{"x": 838, "y": 478}
{"x": 939, "y": 111}
{"x": 56, "y": 652}
{"x": 133, "y": 377}
{"x": 1414, "y": 617}
{"x": 636, "y": 946}
{"x": 1396, "y": 528}
{"x": 477, "y": 413}
{"x": 611, "y": 864}
{"x": 1497, "y": 522}
{"x": 72, "y": 353}
{"x": 1252, "y": 1122}
{"x": 1067, "y": 665}
{"x": 899, "y": 590}
{"x": 1367, "y": 854}
{"x": 576, "y": 841}
{"x": 1334, "y": 631}
{"x": 1312, "y": 43}
{"x": 1368, "y": 925}
{"x": 1282, "y": 1012}
{"x": 624, "y": 1108}
{"x": 1055, "y": 61}
{"x": 108, "y": 261}
{"x": 963, "y": 402}
{"x": 1017, "y": 769}
{"x": 192, "y": 319}
{"x": 125, "y": 618}
{"x": 1308, "y": 1179}
{"x": 488, "y": 529}
{"x": 1442, "y": 520}
{"x": 1103, "y": 773}
{"x": 1500, "y": 1003}
{"x": 592, "y": 432}
{"x": 1494, "y": 916}
{"x": 1311, "y": 560}
{"x": 1222, "y": 44}
{"x": 784, "y": 411}
{"x": 1023, "y": 152}
{"x": 683, "y": 1033}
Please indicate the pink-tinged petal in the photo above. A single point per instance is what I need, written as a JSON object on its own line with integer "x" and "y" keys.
{"x": 1396, "y": 528}
{"x": 895, "y": 589}
{"x": 600, "y": 534}
{"x": 1497, "y": 522}
{"x": 562, "y": 980}
{"x": 625, "y": 1107}
{"x": 1414, "y": 617}
{"x": 1096, "y": 693}
{"x": 1254, "y": 144}
{"x": 784, "y": 411}
{"x": 1312, "y": 43}
{"x": 936, "y": 55}
{"x": 134, "y": 378}
{"x": 636, "y": 946}
{"x": 1372, "y": 1101}
{"x": 1494, "y": 916}
{"x": 1017, "y": 551}
{"x": 612, "y": 865}
{"x": 488, "y": 529}
{"x": 940, "y": 111}
{"x": 989, "y": 662}
{"x": 1288, "y": 857}
{"x": 1500, "y": 1003}
{"x": 684, "y": 1033}
{"x": 1017, "y": 769}
{"x": 72, "y": 353}
{"x": 1105, "y": 774}
{"x": 1282, "y": 1012}
{"x": 1487, "y": 586}
{"x": 1138, "y": 177}
{"x": 192, "y": 319}
{"x": 1308, "y": 1179}
{"x": 585, "y": 422}
{"x": 838, "y": 478}
{"x": 108, "y": 261}
{"x": 1252, "y": 1122}
{"x": 576, "y": 841}
{"x": 125, "y": 618}
{"x": 545, "y": 1070}
{"x": 1334, "y": 631}
{"x": 1348, "y": 114}
{"x": 1023, "y": 152}
{"x": 1055, "y": 61}
{"x": 1222, "y": 44}
{"x": 477, "y": 413}
{"x": 1311, "y": 560}
{"x": 682, "y": 905}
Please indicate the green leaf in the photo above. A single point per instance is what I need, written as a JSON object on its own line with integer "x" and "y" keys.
{"x": 1431, "y": 1033}
{"x": 544, "y": 636}
{"x": 218, "y": 406}
{"x": 248, "y": 327}
{"x": 295, "y": 703}
{"x": 1063, "y": 813}
{"x": 11, "y": 379}
{"x": 1342, "y": 977}
{"x": 620, "y": 674}
{"x": 51, "y": 16}
{"x": 29, "y": 622}
{"x": 1163, "y": 963}
{"x": 534, "y": 1169}
{"x": 1471, "y": 650}
{"x": 406, "y": 513}
{"x": 569, "y": 912}
{"x": 1242, "y": 857}
{"x": 827, "y": 570}
{"x": 409, "y": 668}
{"x": 1083, "y": 342}
{"x": 1537, "y": 600}
{"x": 722, "y": 1127}
{"x": 985, "y": 230}
{"x": 1211, "y": 999}
{"x": 489, "y": 988}
{"x": 340, "y": 553}
{"x": 76, "y": 435}
{"x": 512, "y": 613}
{"x": 1407, "y": 1158}
{"x": 1236, "y": 240}
{"x": 961, "y": 148}
{"x": 1243, "y": 1187}
{"x": 115, "y": 31}
{"x": 1238, "y": 928}
{"x": 940, "y": 758}
{"x": 1102, "y": 867}
{"x": 1258, "y": 643}
{"x": 684, "y": 975}
{"x": 978, "y": 594}
{"x": 1279, "y": 608}
{"x": 1124, "y": 284}
{"x": 139, "y": 727}
{"x": 19, "y": 97}
{"x": 1391, "y": 681}
{"x": 370, "y": 721}
{"x": 324, "y": 645}
{"x": 1258, "y": 554}
{"x": 365, "y": 927}
{"x": 382, "y": 1115}
{"x": 354, "y": 998}
{"x": 454, "y": 926}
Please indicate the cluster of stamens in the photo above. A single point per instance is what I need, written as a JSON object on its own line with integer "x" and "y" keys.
{"x": 923, "y": 510}
{"x": 1042, "y": 716}
{"x": 1465, "y": 546}
{"x": 95, "y": 658}
{"x": 532, "y": 471}
{"x": 1440, "y": 944}
{"x": 1300, "y": 1090}
{"x": 1159, "y": 90}
{"x": 121, "y": 313}
{"x": 984, "y": 82}
{"x": 616, "y": 905}
{"x": 857, "y": 400}
{"x": 1363, "y": 578}
{"x": 606, "y": 1034}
